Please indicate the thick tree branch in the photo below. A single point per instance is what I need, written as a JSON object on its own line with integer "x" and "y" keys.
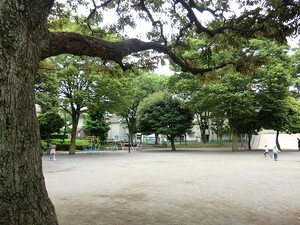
{"x": 77, "y": 44}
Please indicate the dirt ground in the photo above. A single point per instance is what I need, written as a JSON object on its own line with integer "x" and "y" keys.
{"x": 206, "y": 187}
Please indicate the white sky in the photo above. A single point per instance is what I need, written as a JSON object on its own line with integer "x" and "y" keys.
{"x": 143, "y": 27}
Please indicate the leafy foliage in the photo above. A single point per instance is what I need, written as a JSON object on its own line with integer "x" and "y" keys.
{"x": 46, "y": 87}
{"x": 178, "y": 29}
{"x": 50, "y": 122}
{"x": 81, "y": 84}
{"x": 95, "y": 125}
{"x": 162, "y": 113}
{"x": 138, "y": 88}
{"x": 273, "y": 82}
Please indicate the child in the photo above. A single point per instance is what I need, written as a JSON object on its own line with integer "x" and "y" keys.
{"x": 52, "y": 152}
{"x": 267, "y": 152}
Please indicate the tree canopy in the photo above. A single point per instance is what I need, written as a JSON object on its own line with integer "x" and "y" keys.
{"x": 163, "y": 113}
{"x": 175, "y": 24}
{"x": 138, "y": 88}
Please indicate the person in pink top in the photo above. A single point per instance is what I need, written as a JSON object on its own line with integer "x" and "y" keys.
{"x": 52, "y": 152}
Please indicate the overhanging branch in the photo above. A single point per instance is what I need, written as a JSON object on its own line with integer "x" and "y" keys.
{"x": 77, "y": 44}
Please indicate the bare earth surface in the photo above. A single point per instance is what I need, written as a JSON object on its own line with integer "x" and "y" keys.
{"x": 184, "y": 187}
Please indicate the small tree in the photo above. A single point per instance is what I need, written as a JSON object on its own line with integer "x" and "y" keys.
{"x": 188, "y": 88}
{"x": 95, "y": 125}
{"x": 249, "y": 125}
{"x": 50, "y": 122}
{"x": 165, "y": 114}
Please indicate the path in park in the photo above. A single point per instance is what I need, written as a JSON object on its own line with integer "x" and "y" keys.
{"x": 182, "y": 187}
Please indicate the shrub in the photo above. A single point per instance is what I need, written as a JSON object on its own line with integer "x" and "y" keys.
{"x": 58, "y": 136}
{"x": 80, "y": 144}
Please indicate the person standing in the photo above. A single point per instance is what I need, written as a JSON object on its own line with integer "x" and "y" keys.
{"x": 52, "y": 152}
{"x": 275, "y": 152}
{"x": 298, "y": 143}
{"x": 267, "y": 152}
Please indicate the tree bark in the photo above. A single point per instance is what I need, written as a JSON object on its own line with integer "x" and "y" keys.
{"x": 23, "y": 195}
{"x": 156, "y": 138}
{"x": 131, "y": 125}
{"x": 249, "y": 140}
{"x": 75, "y": 120}
{"x": 277, "y": 141}
{"x": 234, "y": 134}
{"x": 172, "y": 140}
{"x": 77, "y": 44}
{"x": 234, "y": 141}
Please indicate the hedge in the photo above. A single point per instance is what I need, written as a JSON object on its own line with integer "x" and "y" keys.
{"x": 80, "y": 144}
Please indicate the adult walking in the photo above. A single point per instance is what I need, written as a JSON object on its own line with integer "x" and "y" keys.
{"x": 298, "y": 143}
{"x": 275, "y": 152}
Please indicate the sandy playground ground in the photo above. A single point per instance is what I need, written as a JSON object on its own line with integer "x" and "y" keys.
{"x": 205, "y": 187}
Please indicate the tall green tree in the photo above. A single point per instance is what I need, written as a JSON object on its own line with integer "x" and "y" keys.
{"x": 165, "y": 114}
{"x": 25, "y": 40}
{"x": 188, "y": 88}
{"x": 75, "y": 88}
{"x": 273, "y": 82}
{"x": 83, "y": 84}
{"x": 138, "y": 88}
{"x": 234, "y": 98}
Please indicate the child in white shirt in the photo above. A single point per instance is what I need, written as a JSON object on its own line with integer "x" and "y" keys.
{"x": 267, "y": 152}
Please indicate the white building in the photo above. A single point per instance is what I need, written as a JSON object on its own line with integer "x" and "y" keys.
{"x": 118, "y": 131}
{"x": 268, "y": 137}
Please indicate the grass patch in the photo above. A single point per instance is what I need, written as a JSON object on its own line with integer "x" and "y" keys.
{"x": 194, "y": 144}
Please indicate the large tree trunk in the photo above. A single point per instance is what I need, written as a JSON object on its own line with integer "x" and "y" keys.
{"x": 235, "y": 146}
{"x": 75, "y": 120}
{"x": 156, "y": 138}
{"x": 277, "y": 141}
{"x": 172, "y": 140}
{"x": 249, "y": 140}
{"x": 23, "y": 196}
{"x": 234, "y": 135}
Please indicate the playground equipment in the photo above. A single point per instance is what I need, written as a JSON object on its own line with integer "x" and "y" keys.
{"x": 94, "y": 145}
{"x": 114, "y": 146}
